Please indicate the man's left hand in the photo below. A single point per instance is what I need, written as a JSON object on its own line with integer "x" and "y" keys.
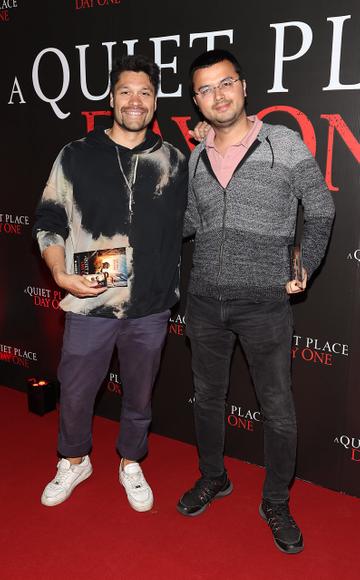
{"x": 200, "y": 131}
{"x": 295, "y": 286}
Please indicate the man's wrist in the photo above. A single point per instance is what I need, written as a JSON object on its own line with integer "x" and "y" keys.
{"x": 57, "y": 274}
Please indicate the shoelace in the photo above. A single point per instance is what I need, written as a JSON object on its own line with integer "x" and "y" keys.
{"x": 136, "y": 480}
{"x": 206, "y": 491}
{"x": 62, "y": 475}
{"x": 279, "y": 517}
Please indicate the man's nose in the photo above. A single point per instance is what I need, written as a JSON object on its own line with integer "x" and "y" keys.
{"x": 135, "y": 98}
{"x": 218, "y": 93}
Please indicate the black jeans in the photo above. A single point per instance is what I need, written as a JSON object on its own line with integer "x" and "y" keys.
{"x": 265, "y": 331}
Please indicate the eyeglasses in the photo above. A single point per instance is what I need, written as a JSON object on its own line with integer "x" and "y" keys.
{"x": 224, "y": 85}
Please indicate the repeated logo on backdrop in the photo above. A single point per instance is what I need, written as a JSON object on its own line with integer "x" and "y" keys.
{"x": 238, "y": 416}
{"x": 177, "y": 325}
{"x": 354, "y": 256}
{"x": 241, "y": 418}
{"x": 6, "y": 9}
{"x": 13, "y": 224}
{"x": 17, "y": 356}
{"x": 44, "y": 297}
{"x": 113, "y": 384}
{"x": 317, "y": 350}
{"x": 351, "y": 446}
{"x": 85, "y": 4}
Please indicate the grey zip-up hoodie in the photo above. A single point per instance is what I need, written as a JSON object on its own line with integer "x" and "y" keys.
{"x": 243, "y": 232}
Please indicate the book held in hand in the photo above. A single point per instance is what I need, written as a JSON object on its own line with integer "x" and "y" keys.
{"x": 106, "y": 267}
{"x": 296, "y": 263}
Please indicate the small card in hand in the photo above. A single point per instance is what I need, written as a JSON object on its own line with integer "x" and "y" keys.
{"x": 296, "y": 263}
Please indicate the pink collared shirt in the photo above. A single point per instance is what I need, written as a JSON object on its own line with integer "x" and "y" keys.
{"x": 225, "y": 165}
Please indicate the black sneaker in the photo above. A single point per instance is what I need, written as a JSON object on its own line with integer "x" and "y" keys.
{"x": 197, "y": 499}
{"x": 287, "y": 535}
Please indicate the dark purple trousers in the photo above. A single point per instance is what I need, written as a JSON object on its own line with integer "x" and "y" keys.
{"x": 88, "y": 345}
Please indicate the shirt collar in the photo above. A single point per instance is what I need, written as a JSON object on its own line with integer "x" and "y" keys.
{"x": 246, "y": 141}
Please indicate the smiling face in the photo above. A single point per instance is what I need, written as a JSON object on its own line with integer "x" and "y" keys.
{"x": 222, "y": 107}
{"x": 134, "y": 102}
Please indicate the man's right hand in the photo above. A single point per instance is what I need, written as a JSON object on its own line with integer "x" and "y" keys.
{"x": 77, "y": 285}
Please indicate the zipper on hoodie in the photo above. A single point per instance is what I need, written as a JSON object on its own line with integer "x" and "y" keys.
{"x": 207, "y": 164}
{"x": 222, "y": 244}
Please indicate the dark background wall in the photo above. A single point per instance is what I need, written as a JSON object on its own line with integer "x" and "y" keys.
{"x": 302, "y": 65}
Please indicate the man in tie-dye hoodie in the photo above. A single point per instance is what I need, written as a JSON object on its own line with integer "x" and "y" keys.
{"x": 109, "y": 227}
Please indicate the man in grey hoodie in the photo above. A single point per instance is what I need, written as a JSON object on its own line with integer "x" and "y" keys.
{"x": 245, "y": 182}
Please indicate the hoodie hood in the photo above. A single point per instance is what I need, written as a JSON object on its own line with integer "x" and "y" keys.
{"x": 151, "y": 143}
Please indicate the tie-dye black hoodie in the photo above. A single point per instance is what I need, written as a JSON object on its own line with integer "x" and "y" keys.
{"x": 101, "y": 196}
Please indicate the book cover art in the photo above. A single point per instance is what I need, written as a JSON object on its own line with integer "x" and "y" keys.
{"x": 106, "y": 267}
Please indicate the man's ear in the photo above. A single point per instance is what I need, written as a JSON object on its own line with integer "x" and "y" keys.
{"x": 155, "y": 104}
{"x": 244, "y": 87}
{"x": 111, "y": 101}
{"x": 194, "y": 99}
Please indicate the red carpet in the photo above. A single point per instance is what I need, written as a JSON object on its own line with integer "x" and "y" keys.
{"x": 96, "y": 535}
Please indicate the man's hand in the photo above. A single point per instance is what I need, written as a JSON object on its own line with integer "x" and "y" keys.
{"x": 77, "y": 285}
{"x": 295, "y": 286}
{"x": 200, "y": 131}
{"x": 54, "y": 257}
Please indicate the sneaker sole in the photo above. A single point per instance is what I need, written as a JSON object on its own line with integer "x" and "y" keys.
{"x": 53, "y": 502}
{"x": 200, "y": 511}
{"x": 140, "y": 508}
{"x": 293, "y": 550}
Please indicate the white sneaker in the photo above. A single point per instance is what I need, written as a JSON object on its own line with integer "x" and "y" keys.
{"x": 68, "y": 476}
{"x": 137, "y": 488}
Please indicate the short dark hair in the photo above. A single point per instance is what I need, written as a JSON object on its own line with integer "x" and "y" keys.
{"x": 135, "y": 63}
{"x": 211, "y": 57}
